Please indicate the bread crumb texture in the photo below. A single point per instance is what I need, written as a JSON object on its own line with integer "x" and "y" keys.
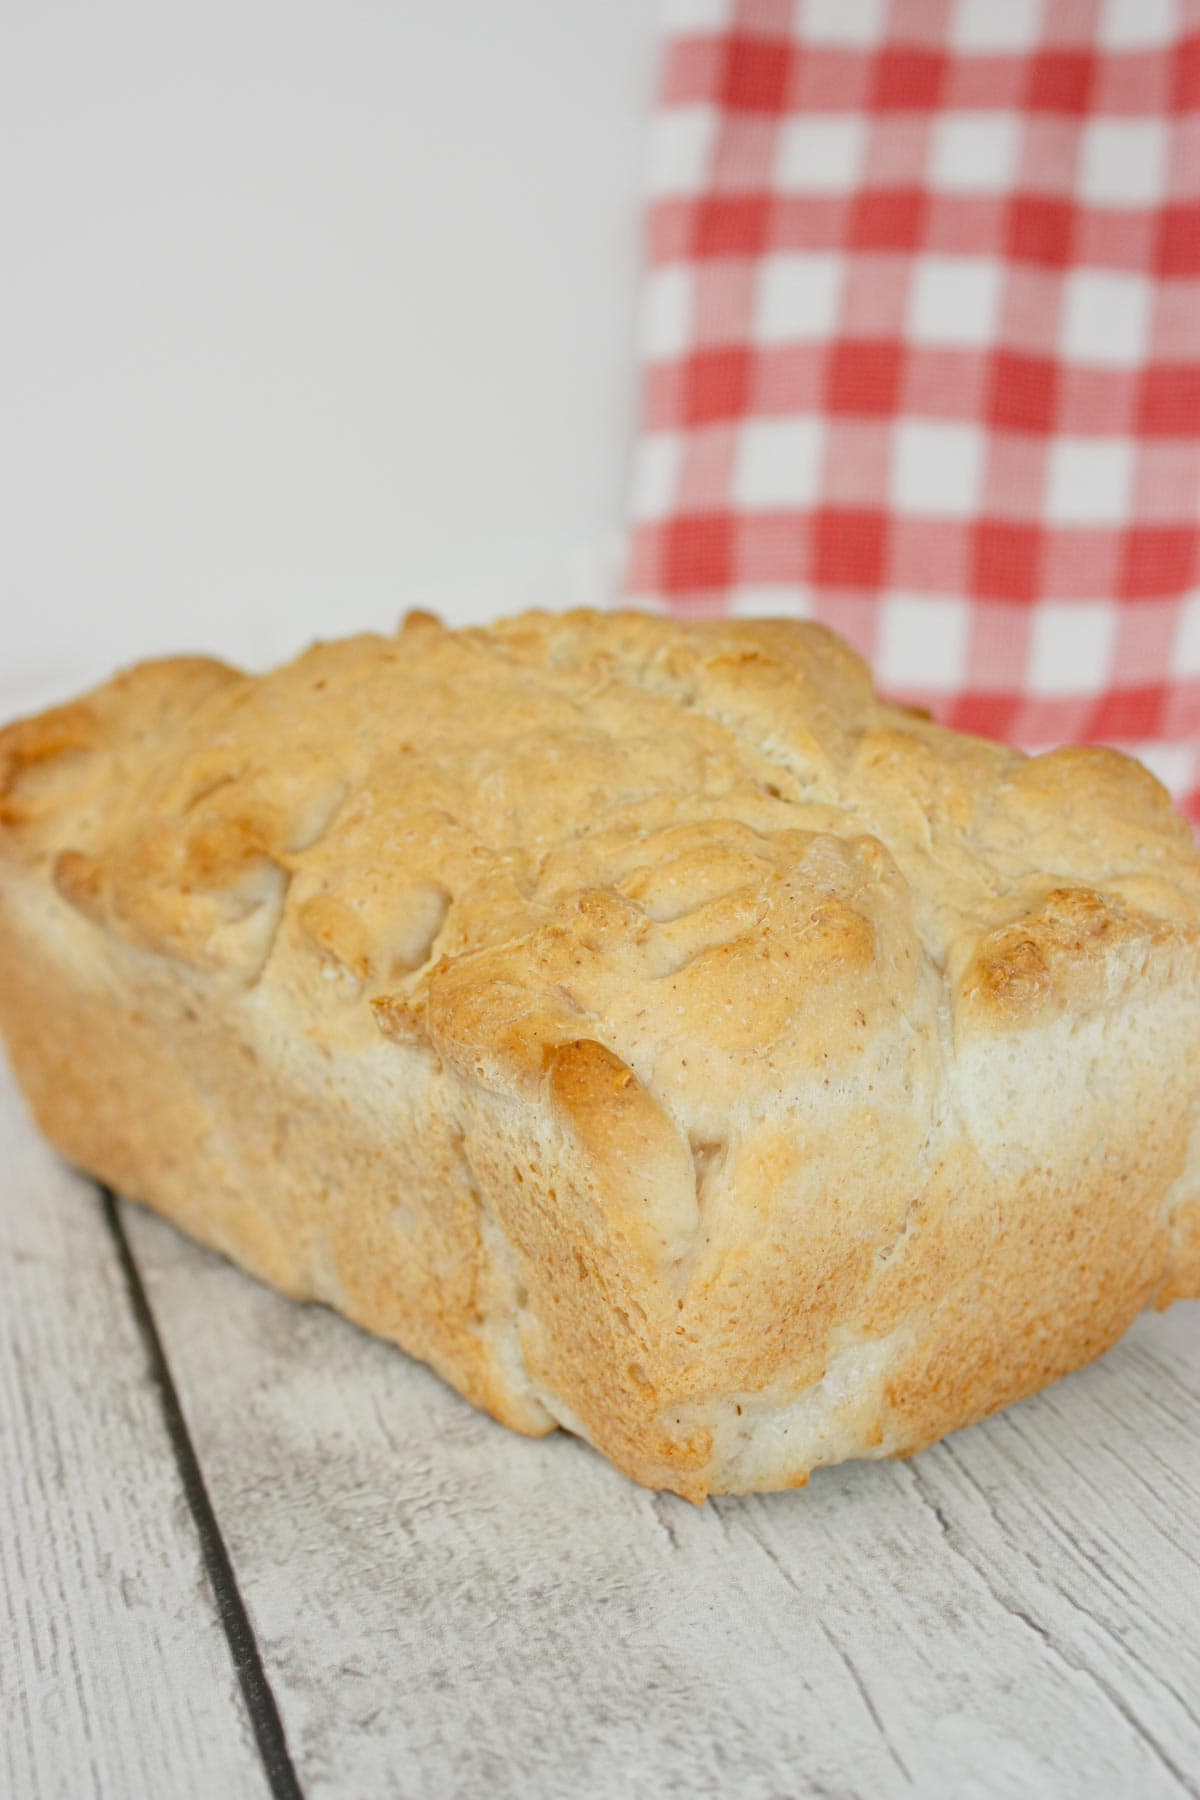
{"x": 640, "y": 1022}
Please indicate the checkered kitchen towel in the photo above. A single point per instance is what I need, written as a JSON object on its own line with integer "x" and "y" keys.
{"x": 922, "y": 350}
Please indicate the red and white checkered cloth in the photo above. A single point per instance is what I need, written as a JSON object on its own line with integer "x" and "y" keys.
{"x": 922, "y": 342}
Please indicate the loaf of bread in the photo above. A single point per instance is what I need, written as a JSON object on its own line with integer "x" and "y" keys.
{"x": 640, "y": 1022}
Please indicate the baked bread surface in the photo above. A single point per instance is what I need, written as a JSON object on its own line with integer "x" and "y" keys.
{"x": 640, "y": 1022}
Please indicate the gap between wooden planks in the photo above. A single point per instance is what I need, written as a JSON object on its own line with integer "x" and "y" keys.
{"x": 115, "y": 1674}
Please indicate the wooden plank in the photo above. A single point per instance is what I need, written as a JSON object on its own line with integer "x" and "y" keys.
{"x": 115, "y": 1675}
{"x": 445, "y": 1608}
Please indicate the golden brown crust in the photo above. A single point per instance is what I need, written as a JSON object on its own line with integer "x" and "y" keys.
{"x": 1064, "y": 953}
{"x": 643, "y": 1023}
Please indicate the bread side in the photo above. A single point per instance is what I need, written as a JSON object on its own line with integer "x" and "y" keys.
{"x": 639, "y": 1022}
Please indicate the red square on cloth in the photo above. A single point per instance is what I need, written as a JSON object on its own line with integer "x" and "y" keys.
{"x": 848, "y": 548}
{"x": 754, "y": 73}
{"x": 863, "y": 377}
{"x": 715, "y": 385}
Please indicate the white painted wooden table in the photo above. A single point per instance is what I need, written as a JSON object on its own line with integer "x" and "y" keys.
{"x": 247, "y": 1550}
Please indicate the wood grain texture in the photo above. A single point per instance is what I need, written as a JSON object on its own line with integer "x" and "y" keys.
{"x": 446, "y": 1609}
{"x": 113, "y": 1668}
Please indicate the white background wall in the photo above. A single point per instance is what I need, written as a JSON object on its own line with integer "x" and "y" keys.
{"x": 309, "y": 311}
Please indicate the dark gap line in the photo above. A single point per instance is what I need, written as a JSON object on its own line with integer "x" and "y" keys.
{"x": 260, "y": 1701}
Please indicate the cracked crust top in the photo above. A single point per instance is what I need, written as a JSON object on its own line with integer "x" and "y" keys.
{"x": 573, "y": 802}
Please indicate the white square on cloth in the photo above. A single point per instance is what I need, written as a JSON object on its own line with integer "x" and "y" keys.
{"x": 797, "y": 297}
{"x": 1136, "y": 24}
{"x": 781, "y": 600}
{"x": 1106, "y": 317}
{"x": 923, "y": 642}
{"x": 1185, "y": 655}
{"x": 656, "y": 468}
{"x": 1122, "y": 160}
{"x": 996, "y": 24}
{"x": 842, "y": 21}
{"x": 1089, "y": 481}
{"x": 681, "y": 148}
{"x": 778, "y": 462}
{"x": 953, "y": 300}
{"x": 820, "y": 154}
{"x": 937, "y": 468}
{"x": 667, "y": 311}
{"x": 974, "y": 152}
{"x": 1071, "y": 648}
